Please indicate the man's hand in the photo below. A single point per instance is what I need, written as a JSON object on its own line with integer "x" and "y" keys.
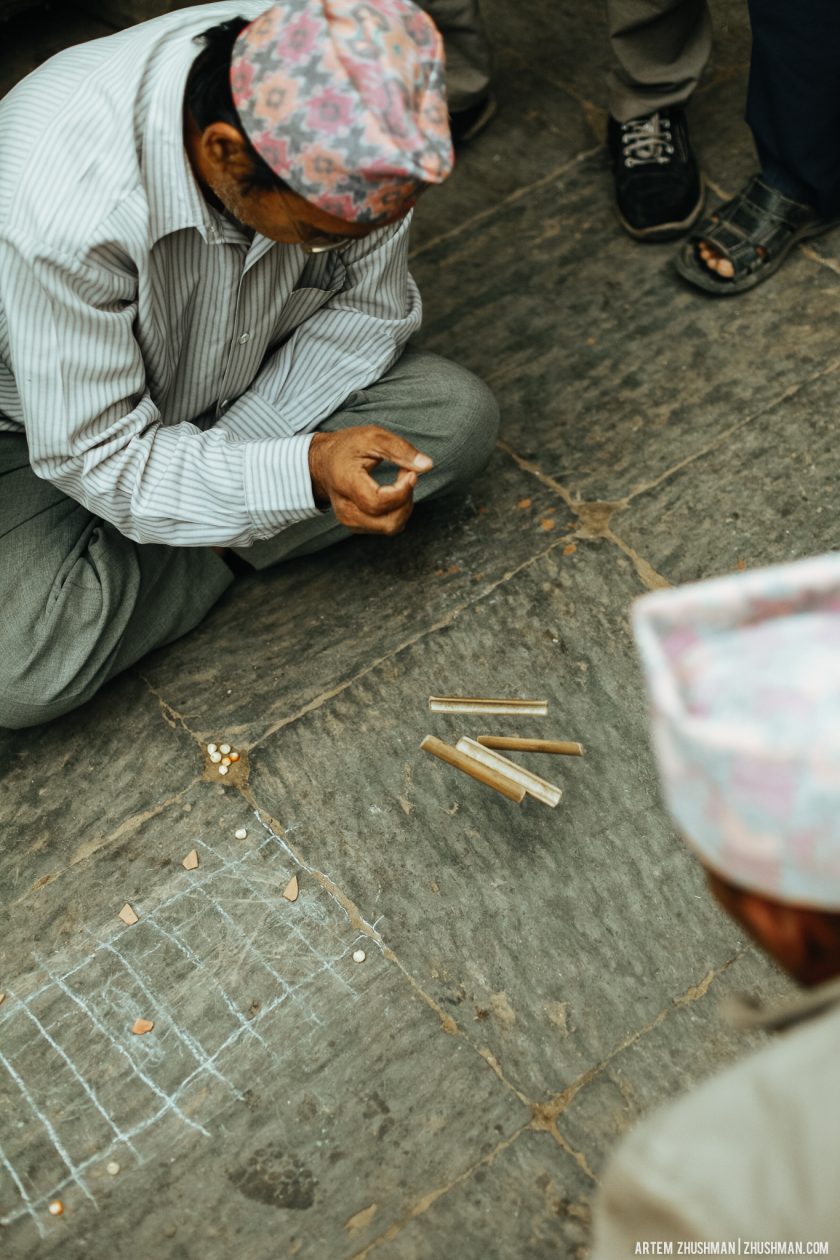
{"x": 340, "y": 464}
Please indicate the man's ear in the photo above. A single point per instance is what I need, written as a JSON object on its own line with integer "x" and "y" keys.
{"x": 224, "y": 149}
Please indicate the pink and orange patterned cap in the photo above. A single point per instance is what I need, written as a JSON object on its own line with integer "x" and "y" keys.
{"x": 744, "y": 681}
{"x": 346, "y": 101}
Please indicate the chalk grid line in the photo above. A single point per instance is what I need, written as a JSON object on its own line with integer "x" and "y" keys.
{"x": 199, "y": 888}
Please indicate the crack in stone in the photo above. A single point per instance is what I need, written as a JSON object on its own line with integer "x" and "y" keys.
{"x": 443, "y": 623}
{"x": 815, "y": 256}
{"x": 431, "y": 1197}
{"x": 645, "y": 571}
{"x": 169, "y": 713}
{"x": 358, "y": 921}
{"x": 720, "y": 440}
{"x": 511, "y": 199}
{"x": 593, "y": 518}
{"x": 578, "y": 1156}
{"x": 595, "y": 115}
{"x": 545, "y": 1114}
{"x": 89, "y": 847}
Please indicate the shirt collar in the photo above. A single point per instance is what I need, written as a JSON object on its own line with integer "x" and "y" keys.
{"x": 174, "y": 197}
{"x": 747, "y": 1012}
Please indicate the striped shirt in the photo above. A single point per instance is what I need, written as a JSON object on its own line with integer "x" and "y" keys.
{"x": 168, "y": 370}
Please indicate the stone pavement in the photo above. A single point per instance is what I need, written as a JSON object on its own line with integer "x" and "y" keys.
{"x": 534, "y": 980}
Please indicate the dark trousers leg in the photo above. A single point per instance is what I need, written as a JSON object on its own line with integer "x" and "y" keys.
{"x": 793, "y": 103}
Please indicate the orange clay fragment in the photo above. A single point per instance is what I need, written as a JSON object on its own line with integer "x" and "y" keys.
{"x": 190, "y": 862}
{"x": 292, "y": 889}
{"x": 141, "y": 1026}
{"x": 128, "y": 916}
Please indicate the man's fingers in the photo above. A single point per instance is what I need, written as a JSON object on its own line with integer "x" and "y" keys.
{"x": 383, "y": 444}
{"x": 398, "y": 490}
{"x": 349, "y": 514}
{"x": 376, "y": 500}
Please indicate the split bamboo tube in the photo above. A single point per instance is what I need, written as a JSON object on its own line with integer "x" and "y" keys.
{"x": 481, "y": 704}
{"x": 492, "y": 778}
{"x": 539, "y": 788}
{"x": 511, "y": 743}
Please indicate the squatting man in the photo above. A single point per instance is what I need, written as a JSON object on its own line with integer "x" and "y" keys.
{"x": 744, "y": 679}
{"x": 204, "y": 310}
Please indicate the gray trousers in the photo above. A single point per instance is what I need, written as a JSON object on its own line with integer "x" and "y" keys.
{"x": 81, "y": 602}
{"x": 661, "y": 47}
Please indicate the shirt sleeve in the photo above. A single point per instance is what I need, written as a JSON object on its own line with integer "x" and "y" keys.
{"x": 345, "y": 346}
{"x": 94, "y": 431}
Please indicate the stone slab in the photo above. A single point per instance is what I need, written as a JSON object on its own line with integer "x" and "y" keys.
{"x": 280, "y": 639}
{"x": 70, "y": 784}
{"x": 765, "y": 494}
{"x": 283, "y": 1088}
{"x": 608, "y": 369}
{"x": 542, "y": 1210}
{"x": 545, "y": 933}
{"x": 670, "y": 1058}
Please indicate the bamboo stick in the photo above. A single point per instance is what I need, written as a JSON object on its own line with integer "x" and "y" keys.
{"x": 491, "y": 778}
{"x": 483, "y": 704}
{"x": 512, "y": 743}
{"x": 539, "y": 788}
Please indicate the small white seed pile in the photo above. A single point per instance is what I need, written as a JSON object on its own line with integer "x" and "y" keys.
{"x": 223, "y": 756}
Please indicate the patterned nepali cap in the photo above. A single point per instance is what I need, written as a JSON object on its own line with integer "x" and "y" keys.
{"x": 345, "y": 100}
{"x": 744, "y": 679}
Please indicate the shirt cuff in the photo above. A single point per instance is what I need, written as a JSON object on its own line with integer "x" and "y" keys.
{"x": 278, "y": 487}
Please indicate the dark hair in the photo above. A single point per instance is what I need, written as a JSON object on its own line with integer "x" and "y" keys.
{"x": 209, "y": 97}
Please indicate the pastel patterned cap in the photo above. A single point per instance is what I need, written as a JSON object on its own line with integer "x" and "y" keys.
{"x": 345, "y": 100}
{"x": 744, "y": 679}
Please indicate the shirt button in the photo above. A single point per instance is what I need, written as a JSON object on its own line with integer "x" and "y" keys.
{"x": 245, "y": 337}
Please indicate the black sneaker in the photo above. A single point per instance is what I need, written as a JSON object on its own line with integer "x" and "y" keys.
{"x": 465, "y": 124}
{"x": 658, "y": 186}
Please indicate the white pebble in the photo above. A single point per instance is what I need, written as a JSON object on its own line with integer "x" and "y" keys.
{"x": 211, "y": 748}
{"x": 223, "y": 769}
{"x": 359, "y": 955}
{"x": 112, "y": 1168}
{"x": 215, "y": 756}
{"x": 224, "y": 749}
{"x": 241, "y": 834}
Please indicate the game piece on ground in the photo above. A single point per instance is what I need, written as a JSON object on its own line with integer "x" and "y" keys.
{"x": 479, "y": 704}
{"x": 491, "y": 778}
{"x": 512, "y": 743}
{"x": 539, "y": 788}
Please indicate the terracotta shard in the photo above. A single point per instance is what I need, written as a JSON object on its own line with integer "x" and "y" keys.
{"x": 292, "y": 889}
{"x": 190, "y": 862}
{"x": 128, "y": 916}
{"x": 141, "y": 1026}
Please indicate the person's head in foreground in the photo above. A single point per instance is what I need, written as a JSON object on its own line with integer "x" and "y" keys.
{"x": 744, "y": 680}
{"x": 320, "y": 122}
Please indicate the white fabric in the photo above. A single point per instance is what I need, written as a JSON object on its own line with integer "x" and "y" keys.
{"x": 752, "y": 1154}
